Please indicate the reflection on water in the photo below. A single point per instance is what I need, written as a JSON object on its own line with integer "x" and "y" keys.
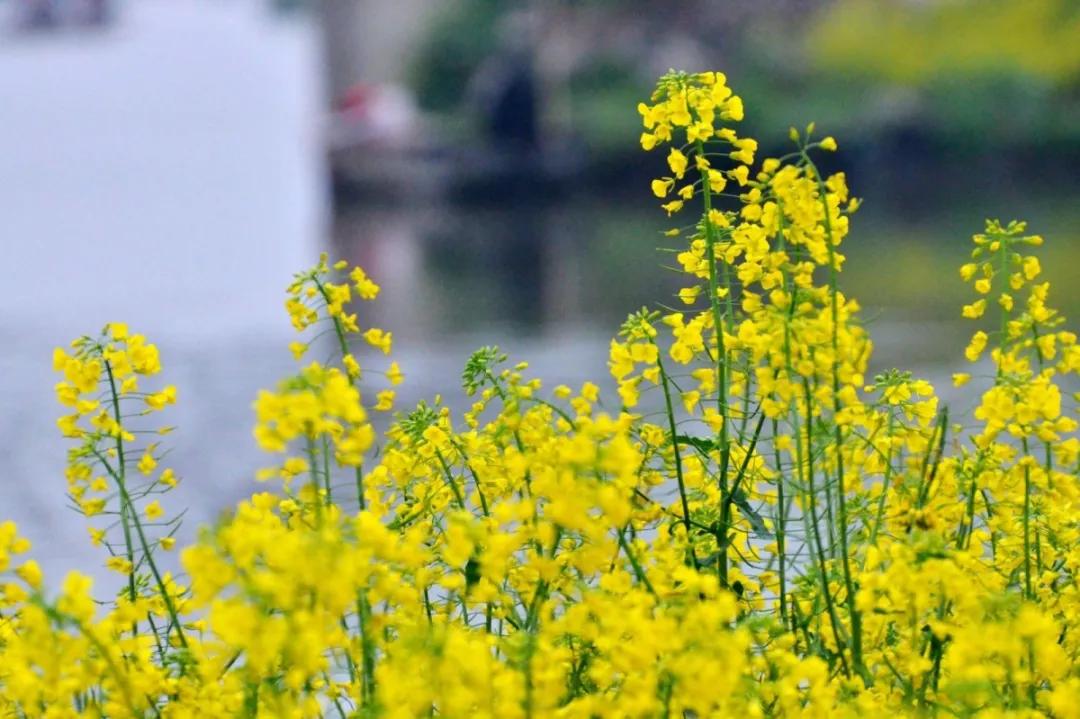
{"x": 537, "y": 270}
{"x": 532, "y": 270}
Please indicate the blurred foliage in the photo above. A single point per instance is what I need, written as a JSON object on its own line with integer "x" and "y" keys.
{"x": 599, "y": 96}
{"x": 970, "y": 71}
{"x": 924, "y": 249}
{"x": 969, "y": 74}
{"x": 916, "y": 43}
{"x": 461, "y": 37}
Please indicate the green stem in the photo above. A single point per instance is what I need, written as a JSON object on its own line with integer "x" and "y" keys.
{"x": 363, "y": 608}
{"x": 1028, "y": 590}
{"x": 126, "y": 504}
{"x": 886, "y": 483}
{"x": 678, "y": 460}
{"x": 125, "y": 521}
{"x": 721, "y": 351}
{"x": 811, "y": 494}
{"x": 781, "y": 525}
{"x": 853, "y": 612}
{"x": 639, "y": 572}
{"x": 313, "y": 464}
{"x": 458, "y": 497}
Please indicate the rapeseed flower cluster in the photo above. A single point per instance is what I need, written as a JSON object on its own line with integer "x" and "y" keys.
{"x": 749, "y": 527}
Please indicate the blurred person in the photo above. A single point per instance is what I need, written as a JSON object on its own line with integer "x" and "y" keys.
{"x": 93, "y": 12}
{"x": 504, "y": 88}
{"x": 52, "y": 14}
{"x": 37, "y": 14}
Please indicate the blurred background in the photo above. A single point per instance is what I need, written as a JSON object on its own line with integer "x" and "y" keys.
{"x": 171, "y": 163}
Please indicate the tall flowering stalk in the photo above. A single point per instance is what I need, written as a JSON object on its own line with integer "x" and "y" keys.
{"x": 784, "y": 350}
{"x": 110, "y": 471}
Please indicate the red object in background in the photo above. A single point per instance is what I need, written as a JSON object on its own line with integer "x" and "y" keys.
{"x": 356, "y": 100}
{"x": 372, "y": 114}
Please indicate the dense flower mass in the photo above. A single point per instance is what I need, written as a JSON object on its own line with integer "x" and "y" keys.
{"x": 750, "y": 527}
